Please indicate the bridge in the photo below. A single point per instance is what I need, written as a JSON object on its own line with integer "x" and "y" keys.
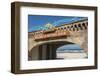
{"x": 44, "y": 43}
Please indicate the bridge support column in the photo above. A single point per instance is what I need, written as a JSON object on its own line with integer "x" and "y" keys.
{"x": 40, "y": 52}
{"x": 47, "y": 52}
{"x": 53, "y": 52}
{"x": 50, "y": 52}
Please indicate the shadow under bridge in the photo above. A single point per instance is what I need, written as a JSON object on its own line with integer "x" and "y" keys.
{"x": 46, "y": 51}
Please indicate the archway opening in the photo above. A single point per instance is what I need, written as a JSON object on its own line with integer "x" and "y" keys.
{"x": 70, "y": 51}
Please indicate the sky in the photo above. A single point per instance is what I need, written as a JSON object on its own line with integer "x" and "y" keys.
{"x": 37, "y": 22}
{"x": 70, "y": 48}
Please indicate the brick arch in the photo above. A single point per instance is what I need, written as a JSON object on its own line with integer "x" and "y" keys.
{"x": 84, "y": 25}
{"x": 80, "y": 26}
{"x": 76, "y": 27}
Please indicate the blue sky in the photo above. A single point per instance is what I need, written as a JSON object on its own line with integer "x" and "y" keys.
{"x": 70, "y": 48}
{"x": 37, "y": 22}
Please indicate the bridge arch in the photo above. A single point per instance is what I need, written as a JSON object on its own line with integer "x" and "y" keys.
{"x": 46, "y": 51}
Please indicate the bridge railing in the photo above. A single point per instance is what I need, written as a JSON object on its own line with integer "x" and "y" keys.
{"x": 56, "y": 34}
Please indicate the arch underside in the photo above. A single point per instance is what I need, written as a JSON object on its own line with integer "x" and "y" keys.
{"x": 47, "y": 50}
